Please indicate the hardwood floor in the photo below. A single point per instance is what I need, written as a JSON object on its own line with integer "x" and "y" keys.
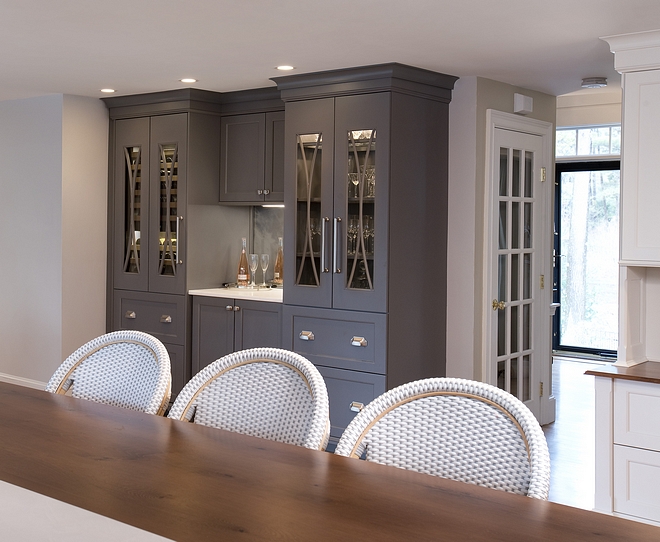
{"x": 571, "y": 437}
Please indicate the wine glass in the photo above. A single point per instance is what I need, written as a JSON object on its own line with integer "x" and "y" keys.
{"x": 253, "y": 260}
{"x": 265, "y": 258}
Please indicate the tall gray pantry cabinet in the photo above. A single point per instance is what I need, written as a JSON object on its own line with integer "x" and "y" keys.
{"x": 164, "y": 235}
{"x": 365, "y": 231}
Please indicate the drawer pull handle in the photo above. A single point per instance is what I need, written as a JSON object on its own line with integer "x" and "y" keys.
{"x": 166, "y": 319}
{"x": 306, "y": 336}
{"x": 358, "y": 341}
{"x": 130, "y": 315}
{"x": 356, "y": 406}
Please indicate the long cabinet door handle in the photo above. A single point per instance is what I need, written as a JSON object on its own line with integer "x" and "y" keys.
{"x": 359, "y": 341}
{"x": 306, "y": 336}
{"x": 335, "y": 242}
{"x": 356, "y": 406}
{"x": 130, "y": 315}
{"x": 165, "y": 319}
{"x": 178, "y": 239}
{"x": 324, "y": 267}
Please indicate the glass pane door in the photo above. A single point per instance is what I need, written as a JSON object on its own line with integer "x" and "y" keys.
{"x": 586, "y": 257}
{"x": 133, "y": 208}
{"x": 169, "y": 220}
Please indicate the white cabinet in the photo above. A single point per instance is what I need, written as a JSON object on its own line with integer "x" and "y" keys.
{"x": 628, "y": 441}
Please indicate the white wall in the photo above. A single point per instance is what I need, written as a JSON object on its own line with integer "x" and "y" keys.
{"x": 37, "y": 143}
{"x": 584, "y": 108}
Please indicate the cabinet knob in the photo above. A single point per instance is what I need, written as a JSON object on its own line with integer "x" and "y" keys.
{"x": 229, "y": 307}
{"x": 356, "y": 406}
{"x": 236, "y": 308}
{"x": 130, "y": 315}
{"x": 306, "y": 336}
{"x": 358, "y": 341}
{"x": 260, "y": 192}
{"x": 165, "y": 319}
{"x": 266, "y": 192}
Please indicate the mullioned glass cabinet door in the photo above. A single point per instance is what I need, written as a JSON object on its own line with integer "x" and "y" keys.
{"x": 361, "y": 179}
{"x": 131, "y": 194}
{"x": 168, "y": 192}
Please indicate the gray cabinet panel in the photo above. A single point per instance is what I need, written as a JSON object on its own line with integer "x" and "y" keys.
{"x": 221, "y": 326}
{"x": 346, "y": 390}
{"x": 274, "y": 156}
{"x": 163, "y": 316}
{"x": 342, "y": 339}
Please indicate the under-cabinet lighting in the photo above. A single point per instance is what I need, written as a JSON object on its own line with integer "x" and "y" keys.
{"x": 108, "y": 90}
{"x": 285, "y": 68}
{"x": 188, "y": 80}
{"x": 281, "y": 205}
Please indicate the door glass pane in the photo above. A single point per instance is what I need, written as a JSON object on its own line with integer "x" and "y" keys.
{"x": 361, "y": 193}
{"x": 527, "y": 220}
{"x": 132, "y": 212}
{"x": 503, "y": 224}
{"x": 502, "y": 277}
{"x": 514, "y": 276}
{"x": 514, "y": 329}
{"x": 515, "y": 225}
{"x": 513, "y": 386}
{"x": 589, "y": 270}
{"x": 515, "y": 180}
{"x": 527, "y": 326}
{"x": 501, "y": 332}
{"x": 527, "y": 275}
{"x": 309, "y": 222}
{"x": 527, "y": 375}
{"x": 504, "y": 171}
{"x": 529, "y": 165}
{"x": 168, "y": 215}
{"x": 501, "y": 374}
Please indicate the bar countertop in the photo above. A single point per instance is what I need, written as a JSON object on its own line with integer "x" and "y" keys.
{"x": 648, "y": 371}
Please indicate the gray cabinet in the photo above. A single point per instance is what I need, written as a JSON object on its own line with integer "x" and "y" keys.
{"x": 164, "y": 221}
{"x": 252, "y": 158}
{"x": 223, "y": 325}
{"x": 365, "y": 233}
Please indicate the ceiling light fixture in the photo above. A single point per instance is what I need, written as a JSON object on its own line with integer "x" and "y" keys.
{"x": 188, "y": 80}
{"x": 594, "y": 82}
{"x": 285, "y": 68}
{"x": 108, "y": 90}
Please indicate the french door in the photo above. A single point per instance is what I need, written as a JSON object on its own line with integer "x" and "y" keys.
{"x": 518, "y": 229}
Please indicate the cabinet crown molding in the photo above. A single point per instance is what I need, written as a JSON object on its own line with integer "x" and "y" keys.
{"x": 635, "y": 52}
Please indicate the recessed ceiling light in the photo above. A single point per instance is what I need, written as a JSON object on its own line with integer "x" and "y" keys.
{"x": 108, "y": 90}
{"x": 188, "y": 80}
{"x": 285, "y": 68}
{"x": 594, "y": 82}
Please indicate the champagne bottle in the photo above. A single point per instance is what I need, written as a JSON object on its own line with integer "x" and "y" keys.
{"x": 278, "y": 270}
{"x": 243, "y": 275}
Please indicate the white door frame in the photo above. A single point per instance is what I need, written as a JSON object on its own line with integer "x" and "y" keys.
{"x": 508, "y": 121}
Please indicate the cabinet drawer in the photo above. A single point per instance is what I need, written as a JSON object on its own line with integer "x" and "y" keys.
{"x": 161, "y": 315}
{"x": 637, "y": 414}
{"x": 347, "y": 391}
{"x": 339, "y": 339}
{"x": 636, "y": 482}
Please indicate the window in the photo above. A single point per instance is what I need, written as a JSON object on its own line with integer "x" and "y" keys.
{"x": 588, "y": 141}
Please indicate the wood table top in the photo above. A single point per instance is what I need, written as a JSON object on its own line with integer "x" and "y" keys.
{"x": 193, "y": 483}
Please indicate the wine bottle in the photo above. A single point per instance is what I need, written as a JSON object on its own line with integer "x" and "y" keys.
{"x": 278, "y": 270}
{"x": 243, "y": 275}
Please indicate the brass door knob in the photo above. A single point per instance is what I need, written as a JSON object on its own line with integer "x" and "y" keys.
{"x": 498, "y": 305}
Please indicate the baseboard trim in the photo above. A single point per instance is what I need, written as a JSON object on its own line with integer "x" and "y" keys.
{"x": 20, "y": 381}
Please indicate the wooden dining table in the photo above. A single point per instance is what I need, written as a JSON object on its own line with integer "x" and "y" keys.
{"x": 188, "y": 482}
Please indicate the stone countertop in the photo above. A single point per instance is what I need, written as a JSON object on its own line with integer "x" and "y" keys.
{"x": 271, "y": 295}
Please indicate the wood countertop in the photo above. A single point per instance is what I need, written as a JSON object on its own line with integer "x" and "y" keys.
{"x": 648, "y": 371}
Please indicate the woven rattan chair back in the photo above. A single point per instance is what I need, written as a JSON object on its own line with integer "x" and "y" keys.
{"x": 263, "y": 392}
{"x": 128, "y": 369}
{"x": 454, "y": 428}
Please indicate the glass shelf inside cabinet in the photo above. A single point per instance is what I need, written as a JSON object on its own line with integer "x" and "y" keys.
{"x": 169, "y": 216}
{"x": 308, "y": 209}
{"x": 360, "y": 205}
{"x": 132, "y": 211}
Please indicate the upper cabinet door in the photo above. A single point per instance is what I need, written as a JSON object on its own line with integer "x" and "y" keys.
{"x": 131, "y": 195}
{"x": 274, "y": 171}
{"x": 309, "y": 249}
{"x": 242, "y": 158}
{"x": 640, "y": 163}
{"x": 362, "y": 135}
{"x": 167, "y": 224}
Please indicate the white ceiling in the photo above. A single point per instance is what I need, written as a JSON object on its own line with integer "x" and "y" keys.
{"x": 134, "y": 46}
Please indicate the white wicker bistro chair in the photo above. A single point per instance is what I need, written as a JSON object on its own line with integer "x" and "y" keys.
{"x": 457, "y": 429}
{"x": 128, "y": 369}
{"x": 263, "y": 392}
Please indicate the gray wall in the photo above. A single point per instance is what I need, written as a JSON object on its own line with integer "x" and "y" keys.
{"x": 53, "y": 151}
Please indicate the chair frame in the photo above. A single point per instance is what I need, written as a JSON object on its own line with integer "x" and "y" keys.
{"x": 351, "y": 443}
{"x": 60, "y": 383}
{"x": 319, "y": 433}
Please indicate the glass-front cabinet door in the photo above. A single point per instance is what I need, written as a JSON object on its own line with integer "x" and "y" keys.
{"x": 360, "y": 201}
{"x": 308, "y": 230}
{"x": 131, "y": 170}
{"x": 168, "y": 168}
